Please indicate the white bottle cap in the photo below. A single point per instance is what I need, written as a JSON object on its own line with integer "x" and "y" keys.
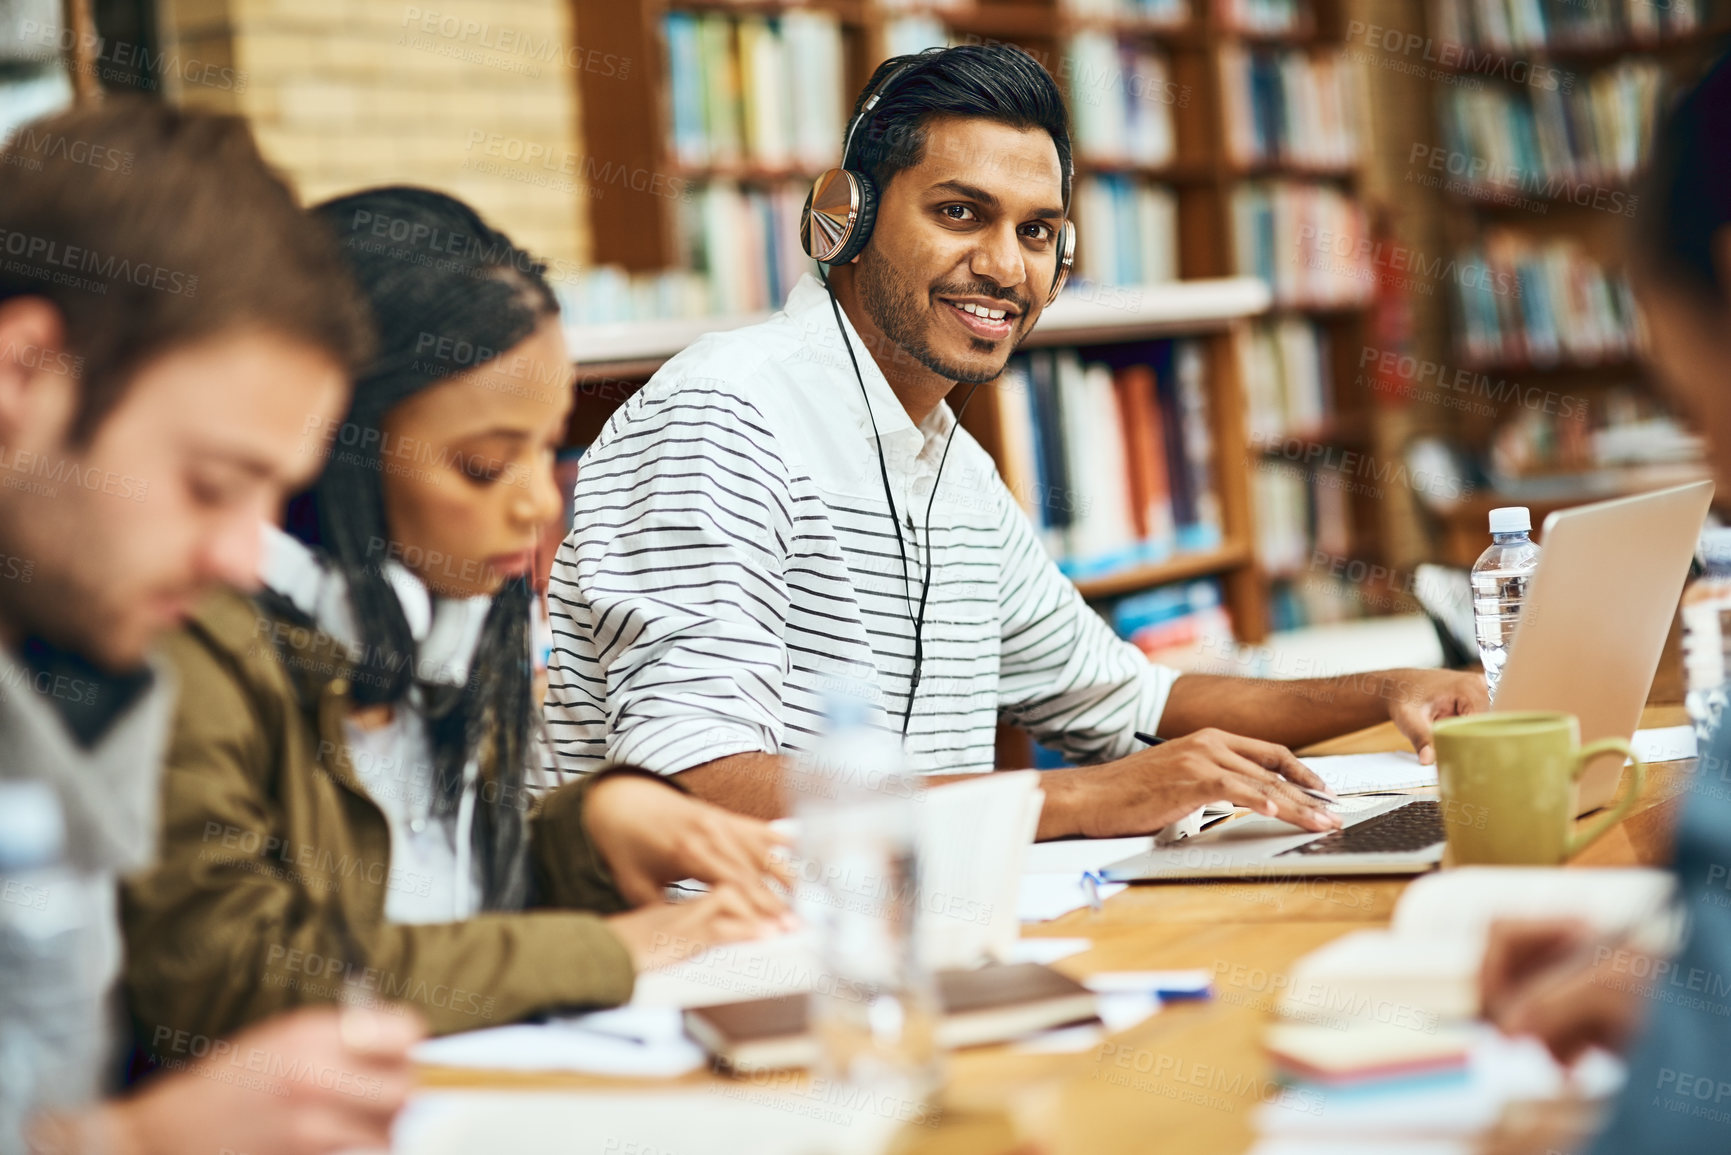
{"x": 1511, "y": 519}
{"x": 32, "y": 828}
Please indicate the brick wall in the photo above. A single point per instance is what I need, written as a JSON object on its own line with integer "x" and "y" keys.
{"x": 477, "y": 98}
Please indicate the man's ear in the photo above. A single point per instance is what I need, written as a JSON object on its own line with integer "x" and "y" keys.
{"x": 38, "y": 377}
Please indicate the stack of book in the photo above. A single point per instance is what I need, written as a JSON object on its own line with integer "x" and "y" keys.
{"x": 1267, "y": 17}
{"x": 1286, "y": 107}
{"x": 1541, "y": 141}
{"x": 1619, "y": 428}
{"x": 744, "y": 241}
{"x": 1507, "y": 25}
{"x": 1308, "y": 241}
{"x": 1126, "y": 230}
{"x": 1121, "y": 101}
{"x": 609, "y": 295}
{"x": 1161, "y": 13}
{"x": 754, "y": 90}
{"x": 1284, "y": 367}
{"x": 1114, "y": 468}
{"x": 1171, "y": 620}
{"x": 1542, "y": 303}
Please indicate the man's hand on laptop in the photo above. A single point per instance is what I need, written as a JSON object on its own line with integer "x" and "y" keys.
{"x": 1419, "y": 697}
{"x": 1156, "y": 787}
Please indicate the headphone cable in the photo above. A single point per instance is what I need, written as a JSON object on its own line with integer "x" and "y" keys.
{"x": 919, "y": 619}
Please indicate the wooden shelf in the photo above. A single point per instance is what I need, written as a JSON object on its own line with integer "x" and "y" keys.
{"x": 1493, "y": 198}
{"x": 1165, "y": 173}
{"x": 1012, "y": 22}
{"x": 1591, "y": 53}
{"x": 1183, "y": 33}
{"x": 1179, "y": 567}
{"x": 1559, "y": 368}
{"x": 1087, "y": 316}
{"x": 743, "y": 173}
{"x": 1281, "y": 170}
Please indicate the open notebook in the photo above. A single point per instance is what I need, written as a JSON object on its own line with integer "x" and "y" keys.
{"x": 1423, "y": 970}
{"x": 973, "y": 837}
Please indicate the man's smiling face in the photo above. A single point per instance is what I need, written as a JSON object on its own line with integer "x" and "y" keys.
{"x": 965, "y": 246}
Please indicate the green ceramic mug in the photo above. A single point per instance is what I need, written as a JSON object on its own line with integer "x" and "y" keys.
{"x": 1507, "y": 786}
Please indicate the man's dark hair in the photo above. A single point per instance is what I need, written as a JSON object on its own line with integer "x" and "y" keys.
{"x": 1687, "y": 197}
{"x": 151, "y": 227}
{"x": 997, "y": 82}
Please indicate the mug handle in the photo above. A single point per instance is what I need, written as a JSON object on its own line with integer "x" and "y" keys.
{"x": 1579, "y": 842}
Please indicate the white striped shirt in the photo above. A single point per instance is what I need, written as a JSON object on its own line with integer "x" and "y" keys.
{"x": 732, "y": 562}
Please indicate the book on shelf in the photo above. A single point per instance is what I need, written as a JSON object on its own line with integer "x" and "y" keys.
{"x": 1266, "y": 17}
{"x": 1284, "y": 365}
{"x": 1620, "y": 427}
{"x": 1126, "y": 228}
{"x": 1508, "y": 25}
{"x": 1172, "y": 621}
{"x": 1115, "y": 468}
{"x": 744, "y": 241}
{"x": 1303, "y": 506}
{"x": 1121, "y": 100}
{"x": 1163, "y": 13}
{"x": 1545, "y": 141}
{"x": 1308, "y": 240}
{"x": 749, "y": 89}
{"x": 1561, "y": 305}
{"x": 1288, "y": 107}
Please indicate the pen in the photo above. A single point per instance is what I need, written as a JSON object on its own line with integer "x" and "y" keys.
{"x": 1319, "y": 795}
{"x": 1091, "y": 881}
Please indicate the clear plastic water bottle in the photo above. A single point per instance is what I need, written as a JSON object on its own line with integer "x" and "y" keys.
{"x": 1707, "y": 635}
{"x": 874, "y": 1006}
{"x": 53, "y": 1017}
{"x": 1500, "y": 580}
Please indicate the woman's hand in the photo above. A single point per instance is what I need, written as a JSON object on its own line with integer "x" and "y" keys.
{"x": 1540, "y": 978}
{"x": 651, "y": 835}
{"x": 663, "y": 933}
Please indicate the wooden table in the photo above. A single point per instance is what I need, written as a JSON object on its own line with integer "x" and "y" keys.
{"x": 1190, "y": 1078}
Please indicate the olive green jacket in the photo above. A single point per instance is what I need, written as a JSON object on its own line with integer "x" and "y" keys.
{"x": 270, "y": 886}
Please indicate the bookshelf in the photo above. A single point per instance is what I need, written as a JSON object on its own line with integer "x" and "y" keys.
{"x": 1214, "y": 140}
{"x": 1547, "y": 219}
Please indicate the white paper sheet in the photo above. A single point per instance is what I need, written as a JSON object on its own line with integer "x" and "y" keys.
{"x": 634, "y": 1041}
{"x": 1073, "y": 856}
{"x": 737, "y": 1117}
{"x": 1046, "y": 951}
{"x": 1362, "y": 773}
{"x": 1118, "y": 1012}
{"x": 781, "y": 965}
{"x": 1664, "y": 743}
{"x": 1047, "y": 896}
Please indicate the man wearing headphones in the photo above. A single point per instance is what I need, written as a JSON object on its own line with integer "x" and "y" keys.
{"x": 791, "y": 509}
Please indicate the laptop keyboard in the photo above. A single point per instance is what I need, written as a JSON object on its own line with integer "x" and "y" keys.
{"x": 1415, "y": 826}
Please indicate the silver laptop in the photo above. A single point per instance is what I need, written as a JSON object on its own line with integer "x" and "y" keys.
{"x": 1591, "y": 631}
{"x": 1596, "y": 616}
{"x": 1384, "y": 834}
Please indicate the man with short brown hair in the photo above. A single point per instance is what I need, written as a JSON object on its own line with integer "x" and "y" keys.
{"x": 171, "y": 323}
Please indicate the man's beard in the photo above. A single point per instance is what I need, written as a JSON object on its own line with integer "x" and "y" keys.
{"x": 898, "y": 309}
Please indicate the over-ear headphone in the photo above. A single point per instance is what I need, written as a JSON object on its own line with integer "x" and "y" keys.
{"x": 842, "y": 206}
